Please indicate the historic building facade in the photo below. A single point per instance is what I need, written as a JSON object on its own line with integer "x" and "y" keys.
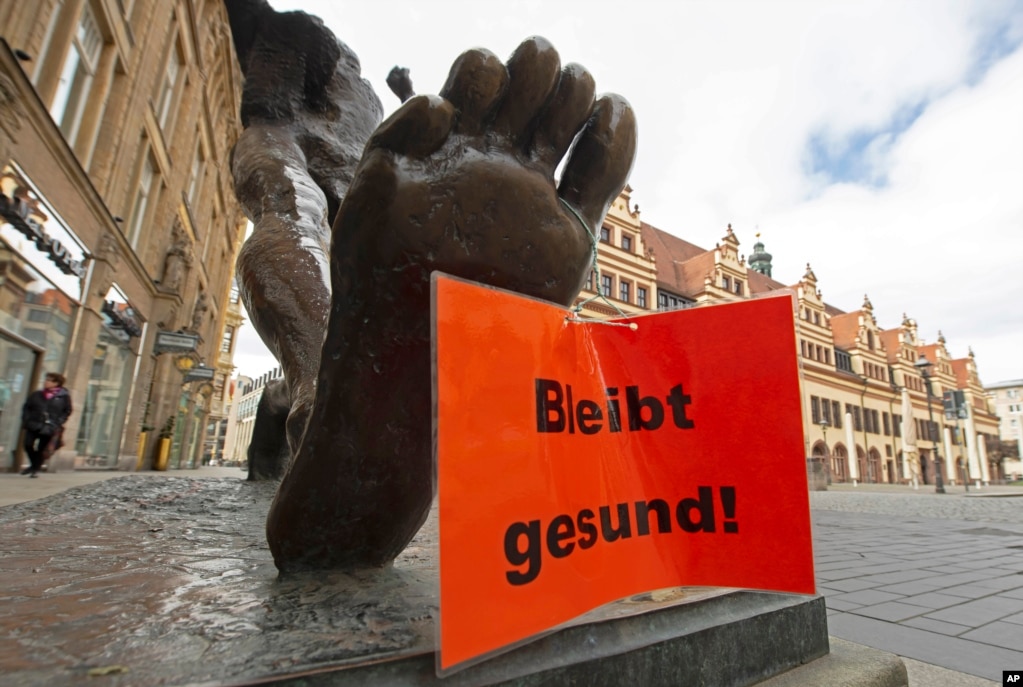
{"x": 1007, "y": 398}
{"x": 863, "y": 385}
{"x": 119, "y": 226}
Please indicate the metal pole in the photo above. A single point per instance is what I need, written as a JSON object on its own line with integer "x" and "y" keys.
{"x": 939, "y": 483}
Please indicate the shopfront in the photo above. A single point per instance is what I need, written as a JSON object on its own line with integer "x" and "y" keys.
{"x": 107, "y": 396}
{"x": 41, "y": 285}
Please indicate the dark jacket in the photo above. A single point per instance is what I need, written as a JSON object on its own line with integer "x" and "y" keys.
{"x": 37, "y": 409}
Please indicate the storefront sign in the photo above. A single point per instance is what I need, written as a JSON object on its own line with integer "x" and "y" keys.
{"x": 36, "y": 232}
{"x": 199, "y": 373}
{"x": 175, "y": 342}
{"x": 17, "y": 214}
{"x": 122, "y": 317}
{"x": 579, "y": 463}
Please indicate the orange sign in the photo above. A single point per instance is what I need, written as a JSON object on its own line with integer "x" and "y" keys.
{"x": 579, "y": 463}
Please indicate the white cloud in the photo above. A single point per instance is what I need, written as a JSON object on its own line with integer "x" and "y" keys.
{"x": 728, "y": 96}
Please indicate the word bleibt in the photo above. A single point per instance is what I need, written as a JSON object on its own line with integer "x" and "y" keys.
{"x": 565, "y": 534}
{"x": 556, "y": 411}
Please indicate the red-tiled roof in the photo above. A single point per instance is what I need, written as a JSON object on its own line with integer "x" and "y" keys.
{"x": 844, "y": 328}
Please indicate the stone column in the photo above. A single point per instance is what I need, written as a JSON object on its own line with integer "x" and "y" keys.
{"x": 985, "y": 470}
{"x": 950, "y": 463}
{"x": 977, "y": 472}
{"x": 850, "y": 438}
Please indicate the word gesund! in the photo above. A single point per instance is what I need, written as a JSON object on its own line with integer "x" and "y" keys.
{"x": 557, "y": 412}
{"x": 564, "y": 534}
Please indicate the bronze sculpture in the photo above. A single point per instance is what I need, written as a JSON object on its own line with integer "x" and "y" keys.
{"x": 462, "y": 182}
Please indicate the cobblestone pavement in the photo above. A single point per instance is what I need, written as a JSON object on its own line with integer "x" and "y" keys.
{"x": 984, "y": 506}
{"x": 935, "y": 578}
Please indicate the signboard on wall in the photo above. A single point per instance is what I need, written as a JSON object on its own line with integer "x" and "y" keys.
{"x": 30, "y": 225}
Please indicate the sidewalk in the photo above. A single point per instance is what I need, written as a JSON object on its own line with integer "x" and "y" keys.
{"x": 18, "y": 489}
{"x": 15, "y": 488}
{"x": 998, "y": 490}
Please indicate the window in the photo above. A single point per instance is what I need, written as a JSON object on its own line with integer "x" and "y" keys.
{"x": 855, "y": 412}
{"x": 589, "y": 281}
{"x": 738, "y": 287}
{"x": 225, "y": 343}
{"x": 168, "y": 87}
{"x": 623, "y": 291}
{"x": 143, "y": 195}
{"x": 197, "y": 175}
{"x": 826, "y": 410}
{"x": 802, "y": 347}
{"x": 816, "y": 318}
{"x": 868, "y": 423}
{"x": 726, "y": 283}
{"x": 815, "y": 410}
{"x": 668, "y": 301}
{"x": 605, "y": 235}
{"x": 836, "y": 412}
{"x": 827, "y": 356}
{"x": 606, "y": 283}
{"x": 887, "y": 424}
{"x": 641, "y": 296}
{"x": 897, "y": 425}
{"x": 77, "y": 74}
{"x": 626, "y": 243}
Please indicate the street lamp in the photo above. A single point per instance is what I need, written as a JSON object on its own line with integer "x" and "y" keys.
{"x": 923, "y": 365}
{"x": 827, "y": 451}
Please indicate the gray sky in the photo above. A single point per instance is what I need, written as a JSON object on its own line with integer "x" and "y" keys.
{"x": 881, "y": 142}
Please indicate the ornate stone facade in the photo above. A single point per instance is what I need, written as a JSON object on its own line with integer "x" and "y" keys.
{"x": 118, "y": 118}
{"x": 853, "y": 369}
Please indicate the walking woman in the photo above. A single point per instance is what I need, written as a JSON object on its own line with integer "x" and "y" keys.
{"x": 43, "y": 417}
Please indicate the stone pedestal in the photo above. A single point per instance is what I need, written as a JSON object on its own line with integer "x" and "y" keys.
{"x": 167, "y": 580}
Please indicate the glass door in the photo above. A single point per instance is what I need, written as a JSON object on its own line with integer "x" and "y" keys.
{"x": 17, "y": 363}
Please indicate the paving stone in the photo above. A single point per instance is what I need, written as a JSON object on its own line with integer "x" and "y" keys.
{"x": 867, "y": 597}
{"x": 893, "y": 611}
{"x": 940, "y": 626}
{"x": 935, "y": 600}
{"x": 979, "y": 611}
{"x": 969, "y": 591}
{"x": 1002, "y": 583}
{"x": 850, "y": 585}
{"x": 839, "y": 605}
{"x": 913, "y": 588}
{"x": 899, "y": 576}
{"x": 974, "y": 658}
{"x": 1008, "y": 635}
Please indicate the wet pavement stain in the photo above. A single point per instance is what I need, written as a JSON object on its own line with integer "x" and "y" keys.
{"x": 143, "y": 581}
